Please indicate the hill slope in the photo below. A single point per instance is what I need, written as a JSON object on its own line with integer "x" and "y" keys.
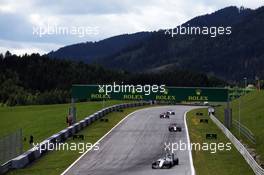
{"x": 231, "y": 57}
{"x": 88, "y": 51}
{"x": 252, "y": 116}
{"x": 228, "y": 56}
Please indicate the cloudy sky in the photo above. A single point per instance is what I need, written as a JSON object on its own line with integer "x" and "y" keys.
{"x": 44, "y": 25}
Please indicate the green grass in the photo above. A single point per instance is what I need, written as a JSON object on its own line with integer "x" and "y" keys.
{"x": 54, "y": 163}
{"x": 221, "y": 162}
{"x": 42, "y": 121}
{"x": 252, "y": 116}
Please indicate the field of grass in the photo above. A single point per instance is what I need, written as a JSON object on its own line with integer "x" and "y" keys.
{"x": 43, "y": 121}
{"x": 221, "y": 162}
{"x": 54, "y": 163}
{"x": 252, "y": 116}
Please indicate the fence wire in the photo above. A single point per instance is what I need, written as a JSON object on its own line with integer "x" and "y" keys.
{"x": 11, "y": 146}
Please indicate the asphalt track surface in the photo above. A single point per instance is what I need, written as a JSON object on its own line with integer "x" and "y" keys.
{"x": 135, "y": 143}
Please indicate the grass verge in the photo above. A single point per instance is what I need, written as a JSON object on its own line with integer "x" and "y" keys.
{"x": 54, "y": 163}
{"x": 42, "y": 121}
{"x": 219, "y": 163}
{"x": 252, "y": 116}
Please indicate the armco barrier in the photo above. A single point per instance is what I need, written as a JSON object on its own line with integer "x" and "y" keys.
{"x": 77, "y": 127}
{"x": 93, "y": 117}
{"x": 5, "y": 167}
{"x": 64, "y": 134}
{"x": 88, "y": 121}
{"x": 258, "y": 170}
{"x": 34, "y": 153}
{"x": 82, "y": 123}
{"x": 20, "y": 161}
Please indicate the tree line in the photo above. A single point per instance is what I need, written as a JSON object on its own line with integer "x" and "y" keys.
{"x": 36, "y": 79}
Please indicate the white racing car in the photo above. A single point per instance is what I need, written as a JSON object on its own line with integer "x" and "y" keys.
{"x": 174, "y": 127}
{"x": 167, "y": 162}
{"x": 170, "y": 112}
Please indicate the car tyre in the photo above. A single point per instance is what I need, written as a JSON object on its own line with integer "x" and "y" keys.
{"x": 176, "y": 161}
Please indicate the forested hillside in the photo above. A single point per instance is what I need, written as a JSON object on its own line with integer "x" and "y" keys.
{"x": 89, "y": 51}
{"x": 230, "y": 57}
{"x": 35, "y": 79}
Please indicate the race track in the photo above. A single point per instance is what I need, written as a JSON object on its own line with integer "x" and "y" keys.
{"x": 135, "y": 143}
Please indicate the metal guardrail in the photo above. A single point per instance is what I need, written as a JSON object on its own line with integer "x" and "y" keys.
{"x": 258, "y": 170}
{"x": 245, "y": 131}
{"x": 33, "y": 154}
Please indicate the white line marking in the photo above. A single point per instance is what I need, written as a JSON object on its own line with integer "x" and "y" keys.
{"x": 188, "y": 140}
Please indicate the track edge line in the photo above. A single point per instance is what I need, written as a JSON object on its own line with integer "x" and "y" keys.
{"x": 188, "y": 140}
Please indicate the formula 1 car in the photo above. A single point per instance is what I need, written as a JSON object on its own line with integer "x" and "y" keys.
{"x": 164, "y": 115}
{"x": 166, "y": 162}
{"x": 174, "y": 127}
{"x": 170, "y": 112}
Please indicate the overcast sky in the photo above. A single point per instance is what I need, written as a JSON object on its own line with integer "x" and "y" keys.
{"x": 20, "y": 20}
